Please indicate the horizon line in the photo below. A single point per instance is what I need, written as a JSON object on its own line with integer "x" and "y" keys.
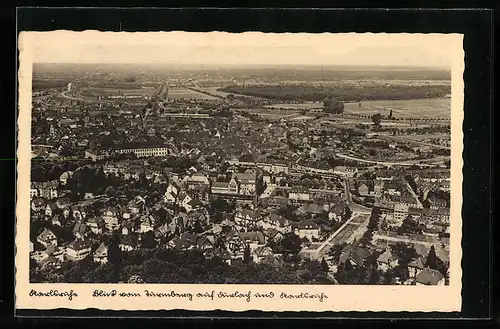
{"x": 247, "y": 65}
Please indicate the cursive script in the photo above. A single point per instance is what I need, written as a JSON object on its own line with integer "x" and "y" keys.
{"x": 53, "y": 293}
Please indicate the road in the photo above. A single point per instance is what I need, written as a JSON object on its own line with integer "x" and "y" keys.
{"x": 409, "y": 140}
{"x": 343, "y": 233}
{"x": 70, "y": 97}
{"x": 405, "y": 240}
{"x": 404, "y": 163}
{"x": 410, "y": 190}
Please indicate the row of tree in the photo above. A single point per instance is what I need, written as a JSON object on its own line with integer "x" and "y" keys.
{"x": 169, "y": 266}
{"x": 341, "y": 92}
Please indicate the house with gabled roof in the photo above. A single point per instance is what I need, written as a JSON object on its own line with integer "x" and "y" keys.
{"x": 55, "y": 251}
{"x": 79, "y": 229}
{"x": 261, "y": 253}
{"x": 57, "y": 219}
{"x": 128, "y": 226}
{"x": 387, "y": 260}
{"x": 430, "y": 277}
{"x": 184, "y": 199}
{"x": 147, "y": 223}
{"x": 181, "y": 243}
{"x": 416, "y": 266}
{"x": 101, "y": 254}
{"x": 51, "y": 209}
{"x": 65, "y": 176}
{"x": 356, "y": 255}
{"x": 172, "y": 193}
{"x": 205, "y": 243}
{"x": 128, "y": 243}
{"x": 38, "y": 204}
{"x": 134, "y": 206}
{"x": 223, "y": 255}
{"x": 277, "y": 222}
{"x": 47, "y": 238}
{"x": 95, "y": 224}
{"x": 253, "y": 239}
{"x": 192, "y": 205}
{"x": 63, "y": 202}
{"x": 111, "y": 217}
{"x": 299, "y": 194}
{"x": 308, "y": 229}
{"x": 78, "y": 250}
{"x": 246, "y": 218}
{"x": 235, "y": 244}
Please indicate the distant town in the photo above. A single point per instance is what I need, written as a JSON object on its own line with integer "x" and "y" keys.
{"x": 239, "y": 175}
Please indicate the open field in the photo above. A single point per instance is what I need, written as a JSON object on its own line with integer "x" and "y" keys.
{"x": 93, "y": 92}
{"x": 417, "y": 108}
{"x": 302, "y": 118}
{"x": 215, "y": 92}
{"x": 300, "y": 106}
{"x": 184, "y": 93}
{"x": 426, "y": 136}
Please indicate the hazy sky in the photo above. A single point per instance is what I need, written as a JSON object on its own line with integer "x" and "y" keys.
{"x": 220, "y": 48}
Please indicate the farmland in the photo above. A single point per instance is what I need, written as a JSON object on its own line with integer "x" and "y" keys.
{"x": 185, "y": 93}
{"x": 416, "y": 108}
{"x": 296, "y": 106}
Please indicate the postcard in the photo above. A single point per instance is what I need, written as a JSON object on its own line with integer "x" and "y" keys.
{"x": 239, "y": 171}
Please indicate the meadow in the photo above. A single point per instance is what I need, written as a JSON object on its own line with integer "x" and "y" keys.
{"x": 415, "y": 108}
{"x": 185, "y": 93}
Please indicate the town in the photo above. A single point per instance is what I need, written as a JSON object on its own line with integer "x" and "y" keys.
{"x": 179, "y": 179}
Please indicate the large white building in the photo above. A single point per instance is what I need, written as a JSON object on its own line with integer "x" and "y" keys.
{"x": 400, "y": 213}
{"x": 147, "y": 151}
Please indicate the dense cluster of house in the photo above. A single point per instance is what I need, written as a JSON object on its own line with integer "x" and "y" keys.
{"x": 245, "y": 162}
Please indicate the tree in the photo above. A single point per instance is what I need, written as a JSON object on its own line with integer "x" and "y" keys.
{"x": 377, "y": 119}
{"x": 148, "y": 240}
{"x": 347, "y": 213}
{"x": 366, "y": 239}
{"x": 432, "y": 260}
{"x": 406, "y": 253}
{"x": 334, "y": 106}
{"x": 324, "y": 266}
{"x": 246, "y": 255}
{"x": 114, "y": 252}
{"x": 292, "y": 243}
{"x": 409, "y": 226}
{"x": 110, "y": 191}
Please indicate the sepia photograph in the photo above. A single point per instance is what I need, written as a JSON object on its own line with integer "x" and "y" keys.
{"x": 182, "y": 158}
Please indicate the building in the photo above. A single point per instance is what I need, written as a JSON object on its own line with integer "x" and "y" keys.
{"x": 299, "y": 194}
{"x": 308, "y": 229}
{"x": 246, "y": 218}
{"x": 400, "y": 213}
{"x": 47, "y": 238}
{"x": 142, "y": 152}
{"x": 387, "y": 260}
{"x": 78, "y": 250}
{"x": 275, "y": 168}
{"x": 357, "y": 256}
{"x": 246, "y": 182}
{"x": 65, "y": 176}
{"x": 101, "y": 254}
{"x": 172, "y": 193}
{"x": 96, "y": 155}
{"x": 278, "y": 223}
{"x": 220, "y": 188}
{"x": 46, "y": 190}
{"x": 343, "y": 171}
{"x": 416, "y": 266}
{"x": 429, "y": 277}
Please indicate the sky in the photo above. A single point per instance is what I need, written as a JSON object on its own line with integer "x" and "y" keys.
{"x": 250, "y": 48}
